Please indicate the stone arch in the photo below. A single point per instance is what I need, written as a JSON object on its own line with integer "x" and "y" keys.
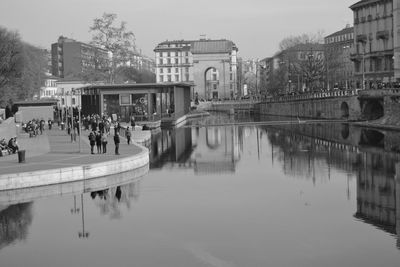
{"x": 344, "y": 109}
{"x": 209, "y": 92}
{"x": 372, "y": 109}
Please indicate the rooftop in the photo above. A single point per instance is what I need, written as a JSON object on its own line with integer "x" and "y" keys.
{"x": 343, "y": 31}
{"x": 202, "y": 46}
{"x": 364, "y": 3}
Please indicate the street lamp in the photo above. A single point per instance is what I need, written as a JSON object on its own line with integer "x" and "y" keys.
{"x": 363, "y": 67}
{"x": 310, "y": 61}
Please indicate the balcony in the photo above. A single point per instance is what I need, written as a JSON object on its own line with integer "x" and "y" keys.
{"x": 384, "y": 35}
{"x": 361, "y": 38}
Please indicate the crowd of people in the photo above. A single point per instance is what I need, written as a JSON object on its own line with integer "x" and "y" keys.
{"x": 99, "y": 127}
{"x": 35, "y": 127}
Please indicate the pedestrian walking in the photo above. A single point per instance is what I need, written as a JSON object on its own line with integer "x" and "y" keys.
{"x": 41, "y": 125}
{"x": 92, "y": 139}
{"x": 50, "y": 123}
{"x": 116, "y": 142}
{"x": 98, "y": 142}
{"x": 128, "y": 135}
{"x": 104, "y": 142}
{"x": 133, "y": 121}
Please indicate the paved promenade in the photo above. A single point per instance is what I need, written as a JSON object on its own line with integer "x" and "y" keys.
{"x": 54, "y": 150}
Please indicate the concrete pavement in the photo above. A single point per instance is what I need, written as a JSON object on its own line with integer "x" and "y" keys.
{"x": 52, "y": 158}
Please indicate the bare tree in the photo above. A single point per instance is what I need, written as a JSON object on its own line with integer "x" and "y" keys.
{"x": 116, "y": 39}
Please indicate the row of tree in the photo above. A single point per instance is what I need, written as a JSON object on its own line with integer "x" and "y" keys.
{"x": 22, "y": 68}
{"x": 301, "y": 64}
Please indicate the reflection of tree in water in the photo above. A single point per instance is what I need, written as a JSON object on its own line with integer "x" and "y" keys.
{"x": 14, "y": 222}
{"x": 307, "y": 157}
{"x": 111, "y": 200}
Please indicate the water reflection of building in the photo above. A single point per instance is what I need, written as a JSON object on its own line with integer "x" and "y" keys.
{"x": 206, "y": 150}
{"x": 377, "y": 201}
{"x": 370, "y": 155}
{"x": 217, "y": 149}
{"x": 172, "y": 145}
{"x": 307, "y": 156}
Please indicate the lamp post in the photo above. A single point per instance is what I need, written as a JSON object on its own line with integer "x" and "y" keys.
{"x": 363, "y": 67}
{"x": 310, "y": 70}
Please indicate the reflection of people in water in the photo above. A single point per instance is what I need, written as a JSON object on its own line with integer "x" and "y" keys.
{"x": 118, "y": 193}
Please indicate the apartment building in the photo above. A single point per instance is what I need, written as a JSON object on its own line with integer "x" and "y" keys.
{"x": 339, "y": 67}
{"x": 376, "y": 38}
{"x": 70, "y": 57}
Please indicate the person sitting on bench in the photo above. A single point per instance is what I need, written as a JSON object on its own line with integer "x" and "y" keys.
{"x": 12, "y": 144}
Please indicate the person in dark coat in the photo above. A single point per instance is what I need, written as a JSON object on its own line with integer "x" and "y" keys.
{"x": 116, "y": 142}
{"x": 98, "y": 142}
{"x": 104, "y": 142}
{"x": 92, "y": 139}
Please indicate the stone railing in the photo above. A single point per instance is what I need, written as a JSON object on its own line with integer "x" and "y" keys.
{"x": 314, "y": 95}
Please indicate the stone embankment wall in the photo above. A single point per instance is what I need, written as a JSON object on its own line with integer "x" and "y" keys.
{"x": 320, "y": 108}
{"x": 8, "y": 129}
{"x": 391, "y": 106}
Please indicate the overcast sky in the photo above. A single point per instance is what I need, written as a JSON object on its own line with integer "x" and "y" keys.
{"x": 256, "y": 26}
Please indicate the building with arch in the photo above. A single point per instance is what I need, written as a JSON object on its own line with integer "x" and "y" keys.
{"x": 211, "y": 65}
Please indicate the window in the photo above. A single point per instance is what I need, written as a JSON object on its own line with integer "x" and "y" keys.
{"x": 186, "y": 69}
{"x": 161, "y": 70}
{"x": 186, "y": 53}
{"x": 169, "y": 78}
{"x": 187, "y": 60}
{"x": 169, "y": 70}
{"x": 176, "y": 60}
{"x": 176, "y": 70}
{"x": 168, "y": 54}
{"x": 176, "y": 77}
{"x": 125, "y": 99}
{"x": 161, "y": 61}
{"x": 214, "y": 77}
{"x": 169, "y": 61}
{"x": 187, "y": 77}
{"x": 161, "y": 78}
{"x": 215, "y": 86}
{"x": 231, "y": 77}
{"x": 160, "y": 54}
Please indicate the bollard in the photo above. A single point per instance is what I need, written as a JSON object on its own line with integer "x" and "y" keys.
{"x": 21, "y": 156}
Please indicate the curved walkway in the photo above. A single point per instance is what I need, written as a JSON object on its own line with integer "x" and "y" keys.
{"x": 51, "y": 158}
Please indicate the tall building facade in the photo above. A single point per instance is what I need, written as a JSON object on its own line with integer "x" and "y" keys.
{"x": 70, "y": 58}
{"x": 339, "y": 67}
{"x": 211, "y": 65}
{"x": 376, "y": 43}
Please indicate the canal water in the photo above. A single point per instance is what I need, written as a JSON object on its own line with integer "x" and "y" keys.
{"x": 223, "y": 196}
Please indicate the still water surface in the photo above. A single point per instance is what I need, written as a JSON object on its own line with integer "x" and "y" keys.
{"x": 291, "y": 195}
